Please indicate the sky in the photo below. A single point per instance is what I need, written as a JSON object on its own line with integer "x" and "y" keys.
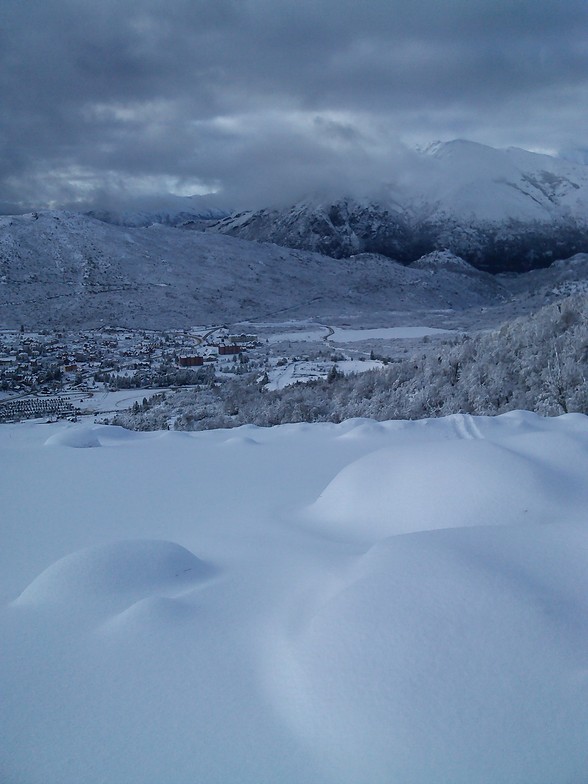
{"x": 107, "y": 103}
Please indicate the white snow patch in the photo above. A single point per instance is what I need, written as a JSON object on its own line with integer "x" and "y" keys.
{"x": 79, "y": 438}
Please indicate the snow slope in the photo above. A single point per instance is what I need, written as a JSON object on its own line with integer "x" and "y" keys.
{"x": 466, "y": 179}
{"x": 340, "y": 604}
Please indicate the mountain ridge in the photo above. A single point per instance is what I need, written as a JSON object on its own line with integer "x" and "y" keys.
{"x": 501, "y": 210}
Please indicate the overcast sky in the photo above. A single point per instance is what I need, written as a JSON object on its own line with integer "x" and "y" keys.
{"x": 264, "y": 100}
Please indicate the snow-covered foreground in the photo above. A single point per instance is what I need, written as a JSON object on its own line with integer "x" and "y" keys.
{"x": 402, "y": 602}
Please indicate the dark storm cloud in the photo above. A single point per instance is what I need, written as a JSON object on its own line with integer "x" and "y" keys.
{"x": 266, "y": 98}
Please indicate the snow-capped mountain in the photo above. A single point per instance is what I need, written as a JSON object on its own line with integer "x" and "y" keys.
{"x": 498, "y": 209}
{"x": 169, "y": 211}
{"x": 63, "y": 269}
{"x": 469, "y": 180}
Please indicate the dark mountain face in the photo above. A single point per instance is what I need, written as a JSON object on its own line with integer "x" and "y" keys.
{"x": 341, "y": 229}
{"x": 514, "y": 246}
{"x": 345, "y": 228}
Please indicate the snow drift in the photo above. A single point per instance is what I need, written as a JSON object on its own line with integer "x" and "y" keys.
{"x": 341, "y": 604}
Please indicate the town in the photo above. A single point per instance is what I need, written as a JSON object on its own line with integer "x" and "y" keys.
{"x": 55, "y": 374}
{"x": 59, "y": 373}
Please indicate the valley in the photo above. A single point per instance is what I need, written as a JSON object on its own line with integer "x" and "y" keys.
{"x": 88, "y": 369}
{"x": 89, "y": 308}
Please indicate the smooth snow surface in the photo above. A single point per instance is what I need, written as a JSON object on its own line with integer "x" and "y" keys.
{"x": 364, "y": 603}
{"x": 386, "y": 333}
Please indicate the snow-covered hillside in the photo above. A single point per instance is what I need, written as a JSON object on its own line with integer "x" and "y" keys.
{"x": 60, "y": 269}
{"x": 499, "y": 209}
{"x": 563, "y": 278}
{"x": 336, "y": 604}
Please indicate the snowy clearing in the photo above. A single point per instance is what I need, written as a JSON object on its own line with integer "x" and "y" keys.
{"x": 339, "y": 604}
{"x": 303, "y": 371}
{"x": 105, "y": 402}
{"x": 309, "y": 335}
{"x": 386, "y": 333}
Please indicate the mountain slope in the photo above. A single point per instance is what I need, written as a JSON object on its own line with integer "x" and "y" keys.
{"x": 469, "y": 180}
{"x": 501, "y": 210}
{"x": 65, "y": 270}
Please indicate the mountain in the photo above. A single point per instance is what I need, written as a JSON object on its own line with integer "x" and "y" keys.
{"x": 500, "y": 210}
{"x": 169, "y": 211}
{"x": 138, "y": 219}
{"x": 67, "y": 270}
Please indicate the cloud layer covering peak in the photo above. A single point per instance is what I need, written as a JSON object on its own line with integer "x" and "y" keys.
{"x": 264, "y": 101}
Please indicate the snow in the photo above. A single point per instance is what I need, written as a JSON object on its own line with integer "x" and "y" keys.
{"x": 105, "y": 401}
{"x": 386, "y": 333}
{"x": 346, "y": 335}
{"x": 397, "y": 491}
{"x": 339, "y": 604}
{"x": 299, "y": 335}
{"x": 473, "y": 179}
{"x": 302, "y": 371}
{"x": 120, "y": 573}
{"x": 484, "y": 204}
{"x": 295, "y": 372}
{"x": 350, "y": 366}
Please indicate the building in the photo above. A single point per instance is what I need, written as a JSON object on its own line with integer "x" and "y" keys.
{"x": 190, "y": 361}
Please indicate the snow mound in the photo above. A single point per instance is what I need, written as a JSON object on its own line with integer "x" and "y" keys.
{"x": 150, "y": 613}
{"x": 116, "y": 575}
{"x": 444, "y": 259}
{"x": 85, "y": 437}
{"x": 421, "y": 487}
{"x": 78, "y": 438}
{"x": 241, "y": 441}
{"x": 444, "y": 650}
{"x": 357, "y": 429}
{"x": 330, "y": 651}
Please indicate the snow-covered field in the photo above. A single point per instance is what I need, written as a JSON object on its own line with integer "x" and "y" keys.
{"x": 295, "y": 372}
{"x": 364, "y": 603}
{"x": 386, "y": 333}
{"x": 342, "y": 335}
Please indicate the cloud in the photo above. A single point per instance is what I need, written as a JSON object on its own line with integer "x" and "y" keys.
{"x": 266, "y": 99}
